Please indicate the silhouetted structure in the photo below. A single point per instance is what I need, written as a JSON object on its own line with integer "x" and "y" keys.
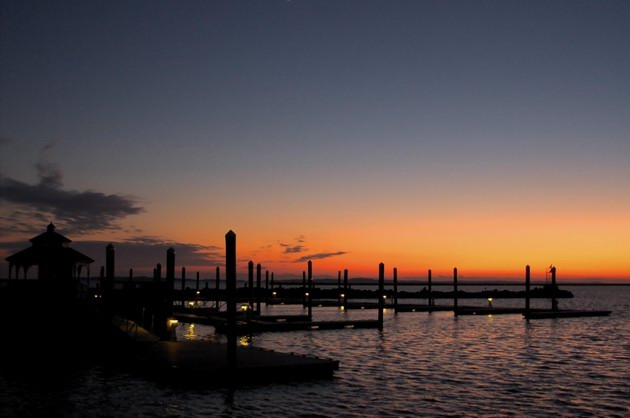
{"x": 52, "y": 255}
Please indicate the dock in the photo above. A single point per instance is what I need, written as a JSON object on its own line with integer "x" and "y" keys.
{"x": 564, "y": 314}
{"x": 206, "y": 363}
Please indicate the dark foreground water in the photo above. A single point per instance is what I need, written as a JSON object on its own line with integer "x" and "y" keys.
{"x": 420, "y": 365}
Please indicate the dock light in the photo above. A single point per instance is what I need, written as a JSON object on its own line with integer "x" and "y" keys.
{"x": 244, "y": 308}
{"x": 384, "y": 296}
{"x": 198, "y": 292}
{"x": 489, "y": 302}
{"x": 172, "y": 322}
{"x": 343, "y": 296}
{"x": 306, "y": 293}
{"x": 273, "y": 293}
{"x": 191, "y": 303}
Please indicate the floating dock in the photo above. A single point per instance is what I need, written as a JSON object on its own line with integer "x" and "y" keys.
{"x": 564, "y": 314}
{"x": 204, "y": 362}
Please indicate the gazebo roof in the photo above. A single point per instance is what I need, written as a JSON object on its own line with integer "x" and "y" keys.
{"x": 50, "y": 237}
{"x": 46, "y": 248}
{"x": 39, "y": 255}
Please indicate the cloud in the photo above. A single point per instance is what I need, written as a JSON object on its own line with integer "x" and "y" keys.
{"x": 319, "y": 256}
{"x": 77, "y": 211}
{"x": 294, "y": 248}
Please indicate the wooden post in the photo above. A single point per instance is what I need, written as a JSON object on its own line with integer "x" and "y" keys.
{"x": 527, "y": 284}
{"x": 230, "y": 288}
{"x": 339, "y": 289}
{"x": 197, "y": 282}
{"x": 395, "y": 290}
{"x": 345, "y": 289}
{"x": 304, "y": 291}
{"x": 381, "y": 293}
{"x": 431, "y": 302}
{"x": 554, "y": 301}
{"x": 250, "y": 284}
{"x": 266, "y": 287}
{"x": 183, "y": 284}
{"x": 309, "y": 297}
{"x": 455, "y": 291}
{"x": 158, "y": 272}
{"x": 110, "y": 262}
{"x": 217, "y": 286}
{"x": 170, "y": 274}
{"x": 130, "y": 275}
{"x": 258, "y": 286}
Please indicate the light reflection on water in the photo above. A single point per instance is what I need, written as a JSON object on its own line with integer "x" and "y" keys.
{"x": 420, "y": 364}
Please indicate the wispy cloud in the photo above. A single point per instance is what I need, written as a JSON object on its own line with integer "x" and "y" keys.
{"x": 295, "y": 248}
{"x": 319, "y": 256}
{"x": 77, "y": 211}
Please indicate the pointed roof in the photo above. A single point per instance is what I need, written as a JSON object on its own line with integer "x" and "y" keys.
{"x": 50, "y": 238}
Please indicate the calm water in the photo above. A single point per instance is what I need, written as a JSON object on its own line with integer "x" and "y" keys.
{"x": 420, "y": 365}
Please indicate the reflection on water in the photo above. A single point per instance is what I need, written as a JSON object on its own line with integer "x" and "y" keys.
{"x": 420, "y": 364}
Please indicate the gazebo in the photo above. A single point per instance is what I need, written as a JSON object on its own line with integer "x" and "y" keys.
{"x": 51, "y": 253}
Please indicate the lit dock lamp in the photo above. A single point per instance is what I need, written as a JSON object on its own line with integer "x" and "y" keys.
{"x": 489, "y": 302}
{"x": 343, "y": 299}
{"x": 172, "y": 328}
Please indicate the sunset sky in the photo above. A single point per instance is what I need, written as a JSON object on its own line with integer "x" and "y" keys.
{"x": 483, "y": 135}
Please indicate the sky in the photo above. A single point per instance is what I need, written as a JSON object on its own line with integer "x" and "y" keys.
{"x": 482, "y": 135}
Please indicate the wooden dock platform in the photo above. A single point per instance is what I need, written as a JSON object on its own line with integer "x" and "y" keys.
{"x": 205, "y": 363}
{"x": 546, "y": 314}
{"x": 255, "y": 326}
{"x": 422, "y": 308}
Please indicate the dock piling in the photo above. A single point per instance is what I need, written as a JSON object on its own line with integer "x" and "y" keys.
{"x": 554, "y": 287}
{"x": 250, "y": 284}
{"x": 304, "y": 291}
{"x": 345, "y": 290}
{"x": 258, "y": 287}
{"x": 309, "y": 297}
{"x": 430, "y": 301}
{"x": 455, "y": 291}
{"x": 230, "y": 286}
{"x": 395, "y": 290}
{"x": 381, "y": 294}
{"x": 527, "y": 284}
{"x": 217, "y": 286}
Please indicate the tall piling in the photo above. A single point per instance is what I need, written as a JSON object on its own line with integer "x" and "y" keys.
{"x": 250, "y": 285}
{"x": 309, "y": 298}
{"x": 197, "y": 282}
{"x": 266, "y": 287}
{"x": 158, "y": 272}
{"x": 339, "y": 289}
{"x": 554, "y": 288}
{"x": 110, "y": 263}
{"x": 455, "y": 291}
{"x": 258, "y": 287}
{"x": 130, "y": 276}
{"x": 304, "y": 291}
{"x": 217, "y": 287}
{"x": 381, "y": 294}
{"x": 430, "y": 301}
{"x": 345, "y": 290}
{"x": 395, "y": 290}
{"x": 230, "y": 290}
{"x": 183, "y": 284}
{"x": 527, "y": 284}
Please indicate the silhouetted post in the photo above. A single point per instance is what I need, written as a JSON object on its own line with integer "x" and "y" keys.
{"x": 131, "y": 275}
{"x": 183, "y": 284}
{"x": 258, "y": 286}
{"x": 527, "y": 295}
{"x": 381, "y": 294}
{"x": 455, "y": 291}
{"x": 170, "y": 278}
{"x": 102, "y": 280}
{"x": 339, "y": 289}
{"x": 430, "y": 294}
{"x": 217, "y": 286}
{"x": 266, "y": 287}
{"x": 250, "y": 284}
{"x": 310, "y": 290}
{"x": 197, "y": 282}
{"x": 395, "y": 290}
{"x": 304, "y": 291}
{"x": 345, "y": 289}
{"x": 230, "y": 290}
{"x": 272, "y": 286}
{"x": 158, "y": 272}
{"x": 554, "y": 301}
{"x": 110, "y": 262}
